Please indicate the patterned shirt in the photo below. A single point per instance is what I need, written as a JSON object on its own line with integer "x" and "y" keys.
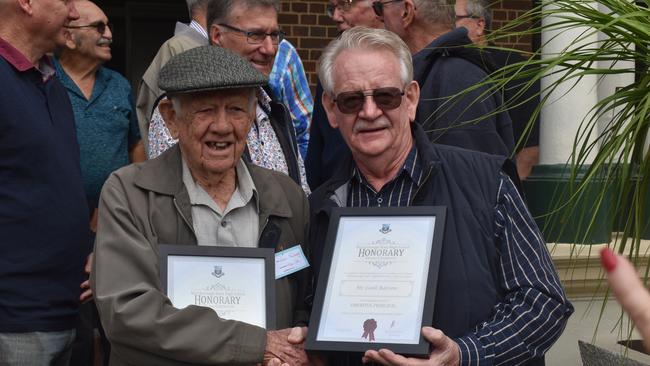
{"x": 289, "y": 85}
{"x": 525, "y": 323}
{"x": 263, "y": 145}
{"x": 397, "y": 192}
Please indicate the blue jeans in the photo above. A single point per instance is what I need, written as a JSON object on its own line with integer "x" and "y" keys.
{"x": 36, "y": 348}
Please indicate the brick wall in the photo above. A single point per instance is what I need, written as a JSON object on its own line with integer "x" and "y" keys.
{"x": 310, "y": 29}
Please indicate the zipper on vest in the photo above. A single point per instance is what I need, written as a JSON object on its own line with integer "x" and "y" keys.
{"x": 421, "y": 185}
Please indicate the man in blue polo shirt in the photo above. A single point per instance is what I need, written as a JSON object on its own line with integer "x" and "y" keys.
{"x": 43, "y": 211}
{"x": 107, "y": 125}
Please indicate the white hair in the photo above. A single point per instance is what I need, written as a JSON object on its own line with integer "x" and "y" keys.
{"x": 364, "y": 38}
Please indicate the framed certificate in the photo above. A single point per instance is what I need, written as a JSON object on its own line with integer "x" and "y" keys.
{"x": 237, "y": 283}
{"x": 377, "y": 285}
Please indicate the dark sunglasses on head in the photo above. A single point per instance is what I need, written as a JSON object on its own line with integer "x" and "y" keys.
{"x": 99, "y": 26}
{"x": 378, "y": 6}
{"x": 385, "y": 98}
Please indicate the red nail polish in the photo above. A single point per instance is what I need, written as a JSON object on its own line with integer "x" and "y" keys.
{"x": 608, "y": 259}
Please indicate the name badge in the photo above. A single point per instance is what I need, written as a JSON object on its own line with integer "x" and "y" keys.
{"x": 289, "y": 261}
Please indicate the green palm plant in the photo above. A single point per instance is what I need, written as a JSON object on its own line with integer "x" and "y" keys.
{"x": 610, "y": 150}
{"x": 611, "y": 144}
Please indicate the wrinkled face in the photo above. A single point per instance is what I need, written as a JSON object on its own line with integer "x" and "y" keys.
{"x": 87, "y": 41}
{"x": 52, "y": 16}
{"x": 372, "y": 132}
{"x": 211, "y": 128}
{"x": 252, "y": 19}
{"x": 358, "y": 13}
{"x": 475, "y": 26}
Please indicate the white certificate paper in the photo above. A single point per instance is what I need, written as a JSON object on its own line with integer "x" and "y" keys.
{"x": 377, "y": 281}
{"x": 233, "y": 287}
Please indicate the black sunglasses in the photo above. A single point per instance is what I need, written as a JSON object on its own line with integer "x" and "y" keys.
{"x": 256, "y": 37}
{"x": 378, "y": 6}
{"x": 99, "y": 26}
{"x": 385, "y": 98}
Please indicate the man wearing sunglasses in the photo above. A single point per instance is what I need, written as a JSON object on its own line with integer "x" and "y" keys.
{"x": 106, "y": 123}
{"x": 107, "y": 126}
{"x": 443, "y": 68}
{"x": 499, "y": 299}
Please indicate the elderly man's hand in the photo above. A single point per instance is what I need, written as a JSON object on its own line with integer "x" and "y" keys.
{"x": 285, "y": 347}
{"x": 629, "y": 291}
{"x": 445, "y": 352}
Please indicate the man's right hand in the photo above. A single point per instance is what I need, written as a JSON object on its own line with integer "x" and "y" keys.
{"x": 278, "y": 347}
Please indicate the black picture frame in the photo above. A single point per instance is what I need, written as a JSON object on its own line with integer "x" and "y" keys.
{"x": 421, "y": 349}
{"x": 267, "y": 254}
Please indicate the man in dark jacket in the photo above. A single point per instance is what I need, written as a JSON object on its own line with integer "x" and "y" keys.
{"x": 498, "y": 298}
{"x": 444, "y": 69}
{"x": 521, "y": 100}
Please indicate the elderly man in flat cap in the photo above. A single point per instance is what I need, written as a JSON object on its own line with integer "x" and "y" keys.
{"x": 199, "y": 192}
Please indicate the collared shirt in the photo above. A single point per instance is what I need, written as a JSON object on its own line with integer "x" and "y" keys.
{"x": 197, "y": 27}
{"x": 263, "y": 144}
{"x": 106, "y": 123}
{"x": 235, "y": 226}
{"x": 289, "y": 84}
{"x": 43, "y": 210}
{"x": 398, "y": 192}
{"x": 519, "y": 326}
{"x": 16, "y": 59}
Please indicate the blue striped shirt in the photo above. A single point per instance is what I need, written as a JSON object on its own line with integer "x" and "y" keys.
{"x": 530, "y": 317}
{"x": 289, "y": 84}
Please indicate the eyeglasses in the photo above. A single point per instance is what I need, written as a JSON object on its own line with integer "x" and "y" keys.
{"x": 342, "y": 5}
{"x": 257, "y": 37}
{"x": 378, "y": 6}
{"x": 99, "y": 26}
{"x": 467, "y": 16}
{"x": 385, "y": 98}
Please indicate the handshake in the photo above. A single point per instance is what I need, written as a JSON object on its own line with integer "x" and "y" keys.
{"x": 285, "y": 347}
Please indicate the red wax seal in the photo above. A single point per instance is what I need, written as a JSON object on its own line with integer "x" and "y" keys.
{"x": 369, "y": 327}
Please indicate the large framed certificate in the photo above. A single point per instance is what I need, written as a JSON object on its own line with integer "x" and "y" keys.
{"x": 377, "y": 284}
{"x": 237, "y": 283}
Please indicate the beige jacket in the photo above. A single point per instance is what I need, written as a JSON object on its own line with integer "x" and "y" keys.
{"x": 144, "y": 204}
{"x": 184, "y": 39}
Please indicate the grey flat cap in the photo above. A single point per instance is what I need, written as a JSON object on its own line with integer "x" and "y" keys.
{"x": 208, "y": 68}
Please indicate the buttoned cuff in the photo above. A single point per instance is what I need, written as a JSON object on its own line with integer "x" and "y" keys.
{"x": 473, "y": 352}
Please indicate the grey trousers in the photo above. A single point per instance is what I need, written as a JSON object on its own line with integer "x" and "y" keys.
{"x": 36, "y": 348}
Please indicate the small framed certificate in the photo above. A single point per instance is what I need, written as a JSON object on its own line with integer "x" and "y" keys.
{"x": 237, "y": 283}
{"x": 377, "y": 285}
